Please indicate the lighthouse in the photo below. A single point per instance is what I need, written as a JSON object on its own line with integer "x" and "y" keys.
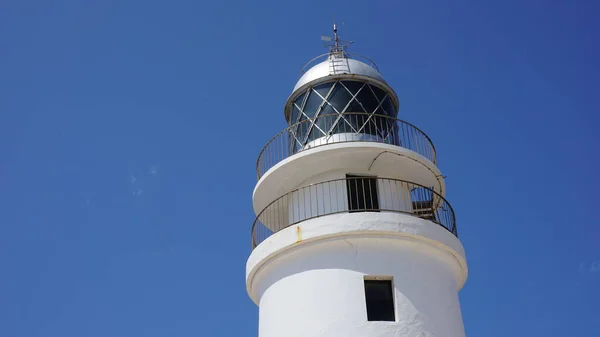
{"x": 353, "y": 234}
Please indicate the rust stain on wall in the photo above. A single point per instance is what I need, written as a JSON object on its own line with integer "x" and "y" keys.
{"x": 298, "y": 234}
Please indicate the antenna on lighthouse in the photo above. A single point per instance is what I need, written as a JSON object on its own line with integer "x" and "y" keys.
{"x": 335, "y": 44}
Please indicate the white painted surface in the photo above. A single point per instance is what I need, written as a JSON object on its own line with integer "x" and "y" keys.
{"x": 309, "y": 282}
{"x": 340, "y": 66}
{"x": 316, "y": 200}
{"x": 397, "y": 225}
{"x": 343, "y": 137}
{"x": 382, "y": 160}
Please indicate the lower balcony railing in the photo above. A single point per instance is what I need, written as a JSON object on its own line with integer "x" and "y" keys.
{"x": 349, "y": 195}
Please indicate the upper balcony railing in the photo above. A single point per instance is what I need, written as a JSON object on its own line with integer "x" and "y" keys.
{"x": 323, "y": 57}
{"x": 341, "y": 128}
{"x": 350, "y": 195}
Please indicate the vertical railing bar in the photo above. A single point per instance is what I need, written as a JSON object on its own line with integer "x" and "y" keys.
{"x": 369, "y": 193}
{"x": 310, "y": 195}
{"x": 322, "y": 198}
{"x": 362, "y": 181}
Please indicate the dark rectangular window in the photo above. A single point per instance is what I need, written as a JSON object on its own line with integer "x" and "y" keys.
{"x": 379, "y": 295}
{"x": 362, "y": 193}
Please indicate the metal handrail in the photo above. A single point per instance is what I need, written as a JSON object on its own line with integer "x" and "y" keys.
{"x": 336, "y": 128}
{"x": 352, "y": 194}
{"x": 355, "y": 56}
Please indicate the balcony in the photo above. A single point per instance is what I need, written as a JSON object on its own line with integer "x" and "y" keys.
{"x": 342, "y": 128}
{"x": 350, "y": 195}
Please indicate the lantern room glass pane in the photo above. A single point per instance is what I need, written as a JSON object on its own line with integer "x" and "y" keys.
{"x": 315, "y": 133}
{"x": 327, "y": 110}
{"x": 389, "y": 107}
{"x": 343, "y": 107}
{"x": 368, "y": 100}
{"x": 325, "y": 122}
{"x": 355, "y": 107}
{"x": 312, "y": 104}
{"x": 297, "y": 105}
{"x": 294, "y": 117}
{"x": 378, "y": 92}
{"x": 339, "y": 98}
{"x": 353, "y": 86}
{"x": 323, "y": 89}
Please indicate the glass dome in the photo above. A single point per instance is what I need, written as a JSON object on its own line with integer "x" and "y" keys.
{"x": 341, "y": 110}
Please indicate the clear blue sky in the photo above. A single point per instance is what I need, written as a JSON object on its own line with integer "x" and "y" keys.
{"x": 129, "y": 132}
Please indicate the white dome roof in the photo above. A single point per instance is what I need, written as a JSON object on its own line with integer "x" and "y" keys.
{"x": 335, "y": 65}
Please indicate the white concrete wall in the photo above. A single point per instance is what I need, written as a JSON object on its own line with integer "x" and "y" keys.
{"x": 316, "y": 200}
{"x": 394, "y": 195}
{"x": 343, "y": 137}
{"x": 308, "y": 278}
{"x": 318, "y": 291}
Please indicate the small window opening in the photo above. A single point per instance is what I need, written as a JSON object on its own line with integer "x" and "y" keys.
{"x": 362, "y": 193}
{"x": 379, "y": 295}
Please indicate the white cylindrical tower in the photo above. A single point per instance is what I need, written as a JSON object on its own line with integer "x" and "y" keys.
{"x": 353, "y": 235}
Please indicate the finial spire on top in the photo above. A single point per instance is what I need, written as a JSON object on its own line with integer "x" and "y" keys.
{"x": 335, "y": 36}
{"x": 338, "y": 46}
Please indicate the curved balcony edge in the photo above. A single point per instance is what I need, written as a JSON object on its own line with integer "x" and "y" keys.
{"x": 403, "y": 230}
{"x": 343, "y": 128}
{"x": 352, "y": 195}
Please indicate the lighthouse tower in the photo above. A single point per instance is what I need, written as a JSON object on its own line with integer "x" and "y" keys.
{"x": 354, "y": 236}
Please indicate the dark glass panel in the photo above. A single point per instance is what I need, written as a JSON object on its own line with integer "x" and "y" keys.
{"x": 294, "y": 117}
{"x": 368, "y": 100}
{"x": 388, "y": 107}
{"x": 325, "y": 122}
{"x": 312, "y": 104}
{"x": 296, "y": 109}
{"x": 315, "y": 133}
{"x": 323, "y": 89}
{"x": 380, "y": 124}
{"x": 327, "y": 110}
{"x": 379, "y": 296}
{"x": 302, "y": 117}
{"x": 353, "y": 86}
{"x": 300, "y": 100}
{"x": 360, "y": 122}
{"x": 355, "y": 107}
{"x": 342, "y": 126}
{"x": 339, "y": 98}
{"x": 378, "y": 92}
{"x": 302, "y": 130}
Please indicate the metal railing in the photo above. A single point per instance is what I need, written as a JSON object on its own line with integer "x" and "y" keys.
{"x": 349, "y": 195}
{"x": 347, "y": 54}
{"x": 340, "y": 128}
